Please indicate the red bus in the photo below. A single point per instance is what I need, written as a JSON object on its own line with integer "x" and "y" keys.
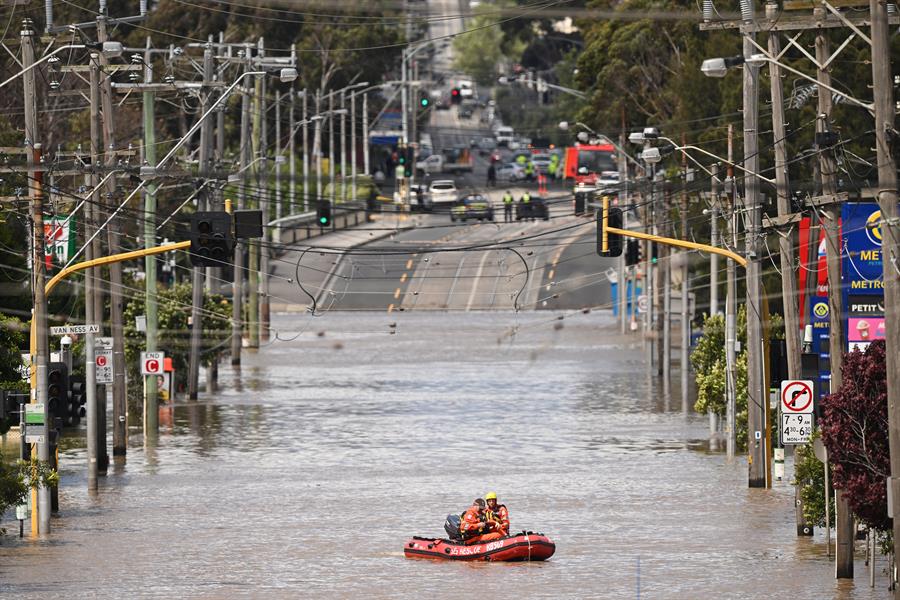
{"x": 585, "y": 163}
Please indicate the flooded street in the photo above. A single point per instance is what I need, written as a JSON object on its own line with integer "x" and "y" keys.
{"x": 306, "y": 474}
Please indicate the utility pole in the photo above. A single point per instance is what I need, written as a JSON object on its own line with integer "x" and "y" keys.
{"x": 887, "y": 200}
{"x": 116, "y": 308}
{"x": 278, "y": 157}
{"x": 151, "y": 391}
{"x": 40, "y": 523}
{"x": 237, "y": 293}
{"x": 292, "y": 152}
{"x": 785, "y": 239}
{"x": 365, "y": 132}
{"x": 92, "y": 315}
{"x": 353, "y": 146}
{"x": 317, "y": 146}
{"x": 252, "y": 245}
{"x": 714, "y": 236}
{"x": 685, "y": 288}
{"x": 650, "y": 293}
{"x": 331, "y": 169}
{"x": 731, "y": 308}
{"x": 305, "y": 120}
{"x": 844, "y": 526}
{"x": 757, "y": 392}
{"x": 343, "y": 146}
{"x": 623, "y": 204}
{"x": 263, "y": 245}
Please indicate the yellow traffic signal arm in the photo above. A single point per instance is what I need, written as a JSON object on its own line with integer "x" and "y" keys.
{"x": 99, "y": 262}
{"x": 679, "y": 243}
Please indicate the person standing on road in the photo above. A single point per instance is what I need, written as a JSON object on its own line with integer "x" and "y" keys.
{"x": 529, "y": 171}
{"x": 525, "y": 206}
{"x": 491, "y": 175}
{"x": 507, "y": 207}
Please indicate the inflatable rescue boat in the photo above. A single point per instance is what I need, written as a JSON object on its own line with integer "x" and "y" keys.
{"x": 522, "y": 546}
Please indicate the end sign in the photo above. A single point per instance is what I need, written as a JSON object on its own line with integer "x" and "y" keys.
{"x": 152, "y": 363}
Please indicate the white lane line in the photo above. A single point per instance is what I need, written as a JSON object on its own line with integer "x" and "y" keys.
{"x": 455, "y": 279}
{"x": 475, "y": 281}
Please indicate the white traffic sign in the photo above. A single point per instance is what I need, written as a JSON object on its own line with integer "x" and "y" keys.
{"x": 796, "y": 396}
{"x": 103, "y": 359}
{"x": 796, "y": 428}
{"x": 152, "y": 363}
{"x": 642, "y": 303}
{"x": 74, "y": 329}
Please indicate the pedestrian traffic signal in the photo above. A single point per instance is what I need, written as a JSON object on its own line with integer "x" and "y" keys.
{"x": 632, "y": 253}
{"x": 323, "y": 213}
{"x": 57, "y": 393}
{"x": 212, "y": 239}
{"x": 609, "y": 244}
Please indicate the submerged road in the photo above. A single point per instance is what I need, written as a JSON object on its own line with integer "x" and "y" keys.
{"x": 304, "y": 476}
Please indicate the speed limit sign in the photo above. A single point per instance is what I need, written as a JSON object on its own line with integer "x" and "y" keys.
{"x": 152, "y": 363}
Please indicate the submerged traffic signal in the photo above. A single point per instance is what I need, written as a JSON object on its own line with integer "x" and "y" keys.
{"x": 323, "y": 213}
{"x": 212, "y": 239}
{"x": 609, "y": 244}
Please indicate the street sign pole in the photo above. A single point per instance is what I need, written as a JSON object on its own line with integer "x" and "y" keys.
{"x": 90, "y": 375}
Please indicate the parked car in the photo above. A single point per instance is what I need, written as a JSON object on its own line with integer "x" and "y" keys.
{"x": 472, "y": 206}
{"x": 442, "y": 192}
{"x": 541, "y": 161}
{"x": 535, "y": 209}
{"x": 511, "y": 172}
{"x": 503, "y": 135}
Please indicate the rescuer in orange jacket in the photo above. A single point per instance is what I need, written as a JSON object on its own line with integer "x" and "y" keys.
{"x": 497, "y": 513}
{"x": 475, "y": 527}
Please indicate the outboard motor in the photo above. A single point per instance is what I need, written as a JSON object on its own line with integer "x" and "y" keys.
{"x": 451, "y": 526}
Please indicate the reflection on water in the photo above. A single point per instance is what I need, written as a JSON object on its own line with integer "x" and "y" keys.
{"x": 307, "y": 471}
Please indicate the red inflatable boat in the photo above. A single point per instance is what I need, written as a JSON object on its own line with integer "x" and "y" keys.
{"x": 517, "y": 547}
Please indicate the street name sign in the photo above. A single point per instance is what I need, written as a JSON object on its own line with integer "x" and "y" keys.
{"x": 74, "y": 329}
{"x": 152, "y": 363}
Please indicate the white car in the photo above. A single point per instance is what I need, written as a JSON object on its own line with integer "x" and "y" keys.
{"x": 504, "y": 135}
{"x": 541, "y": 161}
{"x": 443, "y": 192}
{"x": 511, "y": 172}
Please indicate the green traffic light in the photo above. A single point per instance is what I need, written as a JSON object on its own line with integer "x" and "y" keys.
{"x": 424, "y": 102}
{"x": 323, "y": 220}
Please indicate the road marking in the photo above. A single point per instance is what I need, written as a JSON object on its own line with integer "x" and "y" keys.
{"x": 390, "y": 308}
{"x": 409, "y": 264}
{"x": 455, "y": 279}
{"x": 403, "y": 278}
{"x": 396, "y": 293}
{"x": 475, "y": 281}
{"x": 551, "y": 273}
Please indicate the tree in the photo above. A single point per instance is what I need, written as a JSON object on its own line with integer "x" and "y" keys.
{"x": 17, "y": 479}
{"x": 478, "y": 52}
{"x": 854, "y": 428}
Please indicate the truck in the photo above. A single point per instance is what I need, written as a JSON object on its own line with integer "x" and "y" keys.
{"x": 454, "y": 160}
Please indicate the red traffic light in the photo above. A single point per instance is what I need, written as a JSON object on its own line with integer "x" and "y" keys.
{"x": 454, "y": 92}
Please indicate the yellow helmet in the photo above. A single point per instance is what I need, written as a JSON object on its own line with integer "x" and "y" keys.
{"x": 490, "y": 496}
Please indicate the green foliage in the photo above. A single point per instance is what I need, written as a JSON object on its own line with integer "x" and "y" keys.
{"x": 809, "y": 474}
{"x": 12, "y": 343}
{"x": 708, "y": 361}
{"x": 478, "y": 53}
{"x": 17, "y": 479}
{"x": 174, "y": 307}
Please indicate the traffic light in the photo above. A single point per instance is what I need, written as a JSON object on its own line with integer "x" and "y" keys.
{"x": 632, "y": 253}
{"x": 455, "y": 96}
{"x": 77, "y": 399}
{"x": 654, "y": 254}
{"x": 57, "y": 394}
{"x": 401, "y": 156}
{"x": 609, "y": 244}
{"x": 409, "y": 163}
{"x": 323, "y": 213}
{"x": 212, "y": 239}
{"x": 424, "y": 101}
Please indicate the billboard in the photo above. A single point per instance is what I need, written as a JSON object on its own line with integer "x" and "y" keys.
{"x": 862, "y": 274}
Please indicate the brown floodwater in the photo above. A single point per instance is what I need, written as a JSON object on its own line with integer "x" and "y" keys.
{"x": 306, "y": 473}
